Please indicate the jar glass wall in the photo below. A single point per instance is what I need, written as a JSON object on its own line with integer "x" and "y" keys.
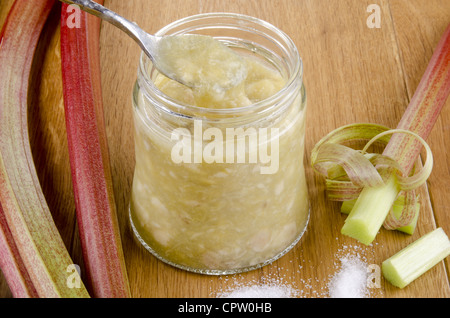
{"x": 222, "y": 190}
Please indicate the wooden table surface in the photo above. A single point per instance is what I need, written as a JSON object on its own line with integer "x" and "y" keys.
{"x": 353, "y": 73}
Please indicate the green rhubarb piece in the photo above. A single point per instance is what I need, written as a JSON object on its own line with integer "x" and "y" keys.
{"x": 397, "y": 208}
{"x": 370, "y": 211}
{"x": 417, "y": 258}
{"x": 411, "y": 227}
{"x": 347, "y": 206}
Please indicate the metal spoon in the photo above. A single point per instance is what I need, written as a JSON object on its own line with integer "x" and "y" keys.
{"x": 158, "y": 49}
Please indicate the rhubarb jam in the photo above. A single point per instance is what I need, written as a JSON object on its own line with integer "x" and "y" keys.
{"x": 219, "y": 184}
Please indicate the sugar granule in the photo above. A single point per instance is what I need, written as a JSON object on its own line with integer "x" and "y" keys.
{"x": 266, "y": 289}
{"x": 351, "y": 280}
{"x": 258, "y": 291}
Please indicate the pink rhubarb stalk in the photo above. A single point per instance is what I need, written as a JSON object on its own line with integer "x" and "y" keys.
{"x": 373, "y": 204}
{"x": 89, "y": 158}
{"x": 424, "y": 108}
{"x": 12, "y": 265}
{"x": 33, "y": 256}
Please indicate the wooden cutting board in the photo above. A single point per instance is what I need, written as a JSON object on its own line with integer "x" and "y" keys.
{"x": 353, "y": 73}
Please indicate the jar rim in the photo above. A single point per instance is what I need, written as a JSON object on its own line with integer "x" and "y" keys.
{"x": 294, "y": 78}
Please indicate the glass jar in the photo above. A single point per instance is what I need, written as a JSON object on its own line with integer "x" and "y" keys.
{"x": 221, "y": 190}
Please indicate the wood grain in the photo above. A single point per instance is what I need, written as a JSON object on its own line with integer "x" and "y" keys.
{"x": 352, "y": 74}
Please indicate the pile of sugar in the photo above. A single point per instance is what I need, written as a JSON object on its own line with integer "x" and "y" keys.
{"x": 266, "y": 289}
{"x": 258, "y": 291}
{"x": 351, "y": 279}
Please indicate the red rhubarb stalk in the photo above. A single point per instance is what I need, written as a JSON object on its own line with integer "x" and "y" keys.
{"x": 374, "y": 203}
{"x": 12, "y": 265}
{"x": 34, "y": 257}
{"x": 424, "y": 108}
{"x": 89, "y": 158}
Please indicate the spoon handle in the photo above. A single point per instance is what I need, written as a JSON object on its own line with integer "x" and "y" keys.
{"x": 145, "y": 40}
